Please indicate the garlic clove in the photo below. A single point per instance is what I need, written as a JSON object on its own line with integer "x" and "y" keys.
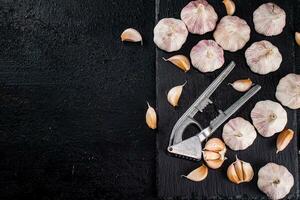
{"x": 214, "y": 144}
{"x": 131, "y": 35}
{"x": 297, "y": 38}
{"x": 210, "y": 155}
{"x": 230, "y": 6}
{"x": 248, "y": 172}
{"x": 151, "y": 118}
{"x": 284, "y": 139}
{"x": 214, "y": 164}
{"x": 198, "y": 174}
{"x": 238, "y": 168}
{"x": 232, "y": 175}
{"x": 180, "y": 61}
{"x": 242, "y": 85}
{"x": 174, "y": 94}
{"x": 240, "y": 171}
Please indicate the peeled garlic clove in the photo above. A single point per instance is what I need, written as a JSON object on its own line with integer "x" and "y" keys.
{"x": 288, "y": 91}
{"x": 198, "y": 174}
{"x": 230, "y": 6}
{"x": 199, "y": 17}
{"x": 269, "y": 19}
{"x": 263, "y": 57}
{"x": 238, "y": 134}
{"x": 268, "y": 117}
{"x": 214, "y": 164}
{"x": 232, "y": 33}
{"x": 284, "y": 139}
{"x": 214, "y": 144}
{"x": 210, "y": 155}
{"x": 131, "y": 35}
{"x": 242, "y": 85}
{"x": 151, "y": 118}
{"x": 240, "y": 172}
{"x": 275, "y": 180}
{"x": 207, "y": 56}
{"x": 174, "y": 94}
{"x": 297, "y": 38}
{"x": 170, "y": 34}
{"x": 180, "y": 61}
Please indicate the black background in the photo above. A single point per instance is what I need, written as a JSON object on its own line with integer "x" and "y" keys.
{"x": 73, "y": 100}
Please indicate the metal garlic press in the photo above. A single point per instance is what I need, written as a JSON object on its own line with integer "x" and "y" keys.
{"x": 191, "y": 148}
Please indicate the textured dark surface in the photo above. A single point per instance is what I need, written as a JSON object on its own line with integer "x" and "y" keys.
{"x": 170, "y": 169}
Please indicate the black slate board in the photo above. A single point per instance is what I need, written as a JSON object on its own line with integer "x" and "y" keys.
{"x": 169, "y": 169}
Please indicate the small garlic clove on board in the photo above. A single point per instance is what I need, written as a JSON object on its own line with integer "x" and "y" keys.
{"x": 242, "y": 85}
{"x": 214, "y": 144}
{"x": 174, "y": 94}
{"x": 197, "y": 174}
{"x": 214, "y": 153}
{"x": 284, "y": 139}
{"x": 180, "y": 61}
{"x": 240, "y": 172}
{"x": 151, "y": 118}
{"x": 131, "y": 35}
{"x": 230, "y": 6}
{"x": 297, "y": 38}
{"x": 210, "y": 155}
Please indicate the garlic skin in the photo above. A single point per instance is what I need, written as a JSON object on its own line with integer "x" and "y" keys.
{"x": 269, "y": 19}
{"x": 288, "y": 91}
{"x": 214, "y": 153}
{"x": 242, "y": 85}
{"x": 174, "y": 94}
{"x": 181, "y": 61}
{"x": 170, "y": 34}
{"x": 230, "y": 6}
{"x": 263, "y": 57}
{"x": 238, "y": 134}
{"x": 198, "y": 174}
{"x": 207, "y": 56}
{"x": 131, "y": 35}
{"x": 297, "y": 38}
{"x": 151, "y": 118}
{"x": 283, "y": 139}
{"x": 199, "y": 16}
{"x": 268, "y": 117}
{"x": 232, "y": 33}
{"x": 275, "y": 180}
{"x": 240, "y": 172}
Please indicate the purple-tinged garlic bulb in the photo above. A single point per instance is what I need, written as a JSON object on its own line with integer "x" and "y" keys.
{"x": 199, "y": 17}
{"x": 232, "y": 33}
{"x": 288, "y": 91}
{"x": 170, "y": 34}
{"x": 268, "y": 117}
{"x": 269, "y": 19}
{"x": 207, "y": 56}
{"x": 263, "y": 57}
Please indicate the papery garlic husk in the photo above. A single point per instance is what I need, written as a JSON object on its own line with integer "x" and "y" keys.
{"x": 238, "y": 134}
{"x": 181, "y": 61}
{"x": 283, "y": 139}
{"x": 288, "y": 91}
{"x": 207, "y": 56}
{"x": 275, "y": 180}
{"x": 240, "y": 172}
{"x": 268, "y": 117}
{"x": 263, "y": 57}
{"x": 269, "y": 19}
{"x": 199, "y": 17}
{"x": 174, "y": 94}
{"x": 131, "y": 35}
{"x": 170, "y": 34}
{"x": 232, "y": 33}
{"x": 198, "y": 174}
{"x": 242, "y": 85}
{"x": 230, "y": 6}
{"x": 214, "y": 153}
{"x": 151, "y": 118}
{"x": 297, "y": 38}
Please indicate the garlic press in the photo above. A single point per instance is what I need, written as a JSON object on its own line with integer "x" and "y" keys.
{"x": 191, "y": 148}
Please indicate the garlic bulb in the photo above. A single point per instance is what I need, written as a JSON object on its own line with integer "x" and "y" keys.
{"x": 174, "y": 94}
{"x": 131, "y": 35}
{"x": 288, "y": 91}
{"x": 284, "y": 139}
{"x": 197, "y": 174}
{"x": 151, "y": 118}
{"x": 242, "y": 85}
{"x": 238, "y": 134}
{"x": 275, "y": 180}
{"x": 232, "y": 33}
{"x": 263, "y": 57}
{"x": 207, "y": 56}
{"x": 199, "y": 17}
{"x": 269, "y": 19}
{"x": 170, "y": 34}
{"x": 268, "y": 117}
{"x": 180, "y": 61}
{"x": 297, "y": 38}
{"x": 230, "y": 6}
{"x": 240, "y": 172}
{"x": 214, "y": 153}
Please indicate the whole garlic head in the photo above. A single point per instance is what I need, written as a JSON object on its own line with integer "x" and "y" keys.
{"x": 207, "y": 56}
{"x": 269, "y": 19}
{"x": 232, "y": 33}
{"x": 238, "y": 134}
{"x": 263, "y": 57}
{"x": 288, "y": 91}
{"x": 170, "y": 34}
{"x": 275, "y": 180}
{"x": 199, "y": 17}
{"x": 268, "y": 117}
